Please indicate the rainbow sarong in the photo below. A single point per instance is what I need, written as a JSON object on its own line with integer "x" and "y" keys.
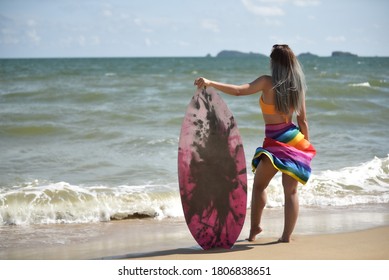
{"x": 288, "y": 150}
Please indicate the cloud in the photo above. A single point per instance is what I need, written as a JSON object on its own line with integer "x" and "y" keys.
{"x": 14, "y": 31}
{"x": 81, "y": 40}
{"x": 257, "y": 8}
{"x": 107, "y": 13}
{"x": 148, "y": 42}
{"x": 9, "y": 35}
{"x": 210, "y": 24}
{"x": 303, "y": 40}
{"x": 142, "y": 25}
{"x": 95, "y": 40}
{"x": 306, "y": 3}
{"x": 336, "y": 39}
{"x": 138, "y": 21}
{"x": 33, "y": 36}
{"x": 183, "y": 44}
{"x": 31, "y": 23}
{"x": 272, "y": 8}
{"x": 31, "y": 31}
{"x": 107, "y": 10}
{"x": 272, "y": 22}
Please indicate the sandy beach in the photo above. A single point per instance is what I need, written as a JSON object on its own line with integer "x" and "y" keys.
{"x": 372, "y": 244}
{"x": 320, "y": 235}
{"x": 360, "y": 233}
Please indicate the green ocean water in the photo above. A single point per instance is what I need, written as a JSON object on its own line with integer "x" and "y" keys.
{"x": 86, "y": 140}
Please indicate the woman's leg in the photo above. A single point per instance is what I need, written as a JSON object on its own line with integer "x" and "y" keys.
{"x": 291, "y": 210}
{"x": 264, "y": 173}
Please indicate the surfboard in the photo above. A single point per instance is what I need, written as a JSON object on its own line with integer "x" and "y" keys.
{"x": 212, "y": 171}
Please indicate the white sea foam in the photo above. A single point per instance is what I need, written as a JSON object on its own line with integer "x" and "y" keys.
{"x": 364, "y": 184}
{"x": 65, "y": 203}
{"x": 365, "y": 84}
{"x": 45, "y": 203}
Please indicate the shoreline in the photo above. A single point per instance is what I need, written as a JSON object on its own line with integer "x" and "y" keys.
{"x": 327, "y": 230}
{"x": 370, "y": 244}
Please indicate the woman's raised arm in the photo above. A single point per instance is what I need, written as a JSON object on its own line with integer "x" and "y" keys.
{"x": 236, "y": 90}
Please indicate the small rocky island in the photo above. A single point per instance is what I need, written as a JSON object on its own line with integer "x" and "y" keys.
{"x": 238, "y": 54}
{"x": 343, "y": 54}
{"x": 307, "y": 55}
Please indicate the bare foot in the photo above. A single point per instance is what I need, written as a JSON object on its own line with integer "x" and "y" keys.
{"x": 253, "y": 233}
{"x": 282, "y": 240}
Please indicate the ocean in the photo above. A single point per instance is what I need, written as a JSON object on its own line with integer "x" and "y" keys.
{"x": 92, "y": 140}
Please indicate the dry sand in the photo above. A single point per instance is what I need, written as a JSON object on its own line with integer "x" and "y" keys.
{"x": 371, "y": 244}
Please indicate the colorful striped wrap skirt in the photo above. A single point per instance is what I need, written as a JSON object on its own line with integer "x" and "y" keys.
{"x": 288, "y": 151}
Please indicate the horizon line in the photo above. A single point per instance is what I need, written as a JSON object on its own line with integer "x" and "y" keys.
{"x": 167, "y": 56}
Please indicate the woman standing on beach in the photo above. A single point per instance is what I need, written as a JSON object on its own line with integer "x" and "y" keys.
{"x": 286, "y": 147}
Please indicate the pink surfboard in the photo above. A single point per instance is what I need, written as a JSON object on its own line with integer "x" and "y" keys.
{"x": 212, "y": 171}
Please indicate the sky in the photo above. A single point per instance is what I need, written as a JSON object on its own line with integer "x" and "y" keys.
{"x": 160, "y": 28}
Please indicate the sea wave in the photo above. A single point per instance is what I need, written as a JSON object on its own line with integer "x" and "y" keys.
{"x": 378, "y": 85}
{"x": 365, "y": 84}
{"x": 61, "y": 202}
{"x": 367, "y": 183}
{"x": 40, "y": 202}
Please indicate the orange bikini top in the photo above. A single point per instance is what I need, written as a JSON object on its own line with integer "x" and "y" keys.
{"x": 269, "y": 109}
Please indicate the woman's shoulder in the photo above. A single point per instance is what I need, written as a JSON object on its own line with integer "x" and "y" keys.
{"x": 266, "y": 78}
{"x": 267, "y": 82}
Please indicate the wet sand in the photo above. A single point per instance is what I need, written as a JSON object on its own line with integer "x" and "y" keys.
{"x": 325, "y": 233}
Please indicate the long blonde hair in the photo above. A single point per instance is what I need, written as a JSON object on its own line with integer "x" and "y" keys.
{"x": 288, "y": 79}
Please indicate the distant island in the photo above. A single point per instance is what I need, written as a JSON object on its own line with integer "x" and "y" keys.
{"x": 238, "y": 54}
{"x": 343, "y": 54}
{"x": 307, "y": 55}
